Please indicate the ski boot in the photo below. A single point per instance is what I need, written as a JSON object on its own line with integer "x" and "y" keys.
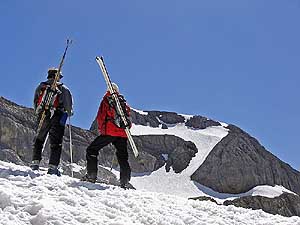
{"x": 89, "y": 178}
{"x": 125, "y": 184}
{"x": 53, "y": 170}
{"x": 35, "y": 165}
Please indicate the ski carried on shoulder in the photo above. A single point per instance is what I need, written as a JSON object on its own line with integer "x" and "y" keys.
{"x": 119, "y": 109}
{"x": 49, "y": 97}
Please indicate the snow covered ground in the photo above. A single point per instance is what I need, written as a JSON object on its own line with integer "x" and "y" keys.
{"x": 161, "y": 198}
{"x": 28, "y": 198}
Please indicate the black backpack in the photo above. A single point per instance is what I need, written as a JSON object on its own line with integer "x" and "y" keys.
{"x": 117, "y": 120}
{"x": 44, "y": 96}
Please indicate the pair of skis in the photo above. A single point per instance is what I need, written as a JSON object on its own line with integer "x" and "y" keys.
{"x": 49, "y": 98}
{"x": 119, "y": 109}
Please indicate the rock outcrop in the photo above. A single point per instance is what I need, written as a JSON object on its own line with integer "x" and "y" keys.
{"x": 286, "y": 204}
{"x": 238, "y": 163}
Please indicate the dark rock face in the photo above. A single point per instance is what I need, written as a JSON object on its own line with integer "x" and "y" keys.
{"x": 285, "y": 204}
{"x": 200, "y": 122}
{"x": 205, "y": 198}
{"x": 238, "y": 163}
{"x": 167, "y": 117}
{"x": 178, "y": 153}
{"x": 145, "y": 120}
{"x": 17, "y": 125}
{"x": 8, "y": 155}
{"x": 156, "y": 118}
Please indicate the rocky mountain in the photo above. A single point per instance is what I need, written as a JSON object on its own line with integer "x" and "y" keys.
{"x": 235, "y": 164}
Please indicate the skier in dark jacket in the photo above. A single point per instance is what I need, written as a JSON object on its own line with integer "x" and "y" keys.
{"x": 109, "y": 133}
{"x": 54, "y": 123}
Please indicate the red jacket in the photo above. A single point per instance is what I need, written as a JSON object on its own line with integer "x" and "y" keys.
{"x": 105, "y": 117}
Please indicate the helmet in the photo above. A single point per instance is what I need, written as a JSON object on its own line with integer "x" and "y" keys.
{"x": 52, "y": 72}
{"x": 115, "y": 87}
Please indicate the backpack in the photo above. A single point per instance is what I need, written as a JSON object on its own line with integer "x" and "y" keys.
{"x": 47, "y": 94}
{"x": 117, "y": 120}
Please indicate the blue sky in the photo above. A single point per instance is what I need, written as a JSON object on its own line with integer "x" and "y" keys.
{"x": 235, "y": 61}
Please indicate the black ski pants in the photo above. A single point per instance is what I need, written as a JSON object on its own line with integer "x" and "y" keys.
{"x": 56, "y": 130}
{"x": 122, "y": 155}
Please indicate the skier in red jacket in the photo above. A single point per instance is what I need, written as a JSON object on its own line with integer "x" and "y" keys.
{"x": 111, "y": 131}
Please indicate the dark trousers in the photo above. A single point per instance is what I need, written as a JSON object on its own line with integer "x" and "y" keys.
{"x": 122, "y": 155}
{"x": 56, "y": 132}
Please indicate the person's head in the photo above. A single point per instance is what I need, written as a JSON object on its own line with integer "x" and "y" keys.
{"x": 115, "y": 87}
{"x": 52, "y": 72}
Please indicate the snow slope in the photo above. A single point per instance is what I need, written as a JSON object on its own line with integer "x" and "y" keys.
{"x": 180, "y": 184}
{"x": 28, "y": 198}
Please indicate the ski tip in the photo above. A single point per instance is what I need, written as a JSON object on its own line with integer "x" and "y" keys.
{"x": 99, "y": 58}
{"x": 69, "y": 41}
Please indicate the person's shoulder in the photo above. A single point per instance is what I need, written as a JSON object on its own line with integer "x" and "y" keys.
{"x": 42, "y": 84}
{"x": 63, "y": 86}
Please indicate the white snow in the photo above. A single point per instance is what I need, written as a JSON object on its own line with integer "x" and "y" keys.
{"x": 180, "y": 184}
{"x": 31, "y": 199}
{"x": 140, "y": 111}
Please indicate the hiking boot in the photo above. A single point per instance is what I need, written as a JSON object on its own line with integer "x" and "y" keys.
{"x": 124, "y": 184}
{"x": 89, "y": 178}
{"x": 35, "y": 165}
{"x": 53, "y": 170}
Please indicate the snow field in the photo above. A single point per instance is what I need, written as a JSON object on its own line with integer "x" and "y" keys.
{"x": 28, "y": 198}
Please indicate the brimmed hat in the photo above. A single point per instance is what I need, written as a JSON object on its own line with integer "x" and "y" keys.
{"x": 52, "y": 72}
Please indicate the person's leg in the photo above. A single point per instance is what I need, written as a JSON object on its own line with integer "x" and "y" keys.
{"x": 38, "y": 144}
{"x": 92, "y": 152}
{"x": 56, "y": 134}
{"x": 122, "y": 156}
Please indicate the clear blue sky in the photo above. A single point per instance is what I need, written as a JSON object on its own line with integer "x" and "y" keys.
{"x": 235, "y": 61}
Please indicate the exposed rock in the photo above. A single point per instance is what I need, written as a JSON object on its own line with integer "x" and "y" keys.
{"x": 8, "y": 155}
{"x": 17, "y": 125}
{"x": 205, "y": 198}
{"x": 238, "y": 163}
{"x": 145, "y": 120}
{"x": 286, "y": 204}
{"x": 200, "y": 122}
{"x": 173, "y": 150}
{"x": 167, "y": 117}
{"x": 156, "y": 118}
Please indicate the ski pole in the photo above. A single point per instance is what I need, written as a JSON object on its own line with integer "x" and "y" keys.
{"x": 112, "y": 161}
{"x": 71, "y": 146}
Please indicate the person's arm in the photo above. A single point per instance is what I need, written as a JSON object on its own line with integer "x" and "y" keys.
{"x": 101, "y": 115}
{"x": 67, "y": 100}
{"x": 36, "y": 97}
